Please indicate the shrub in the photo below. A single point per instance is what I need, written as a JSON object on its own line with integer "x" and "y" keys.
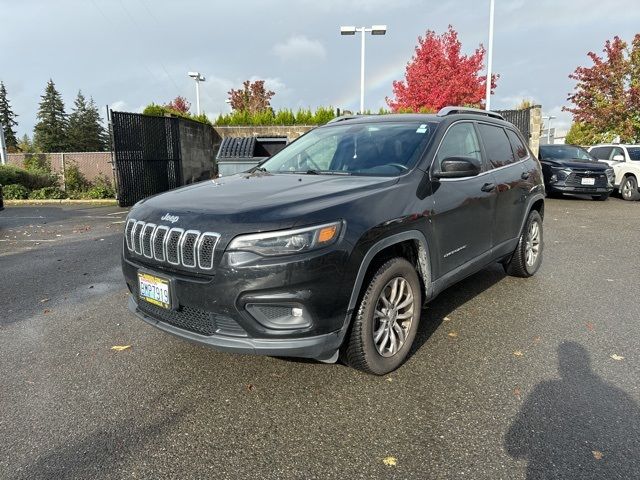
{"x": 32, "y": 180}
{"x": 101, "y": 188}
{"x": 15, "y": 192}
{"x": 74, "y": 180}
{"x": 47, "y": 193}
{"x": 282, "y": 117}
{"x": 163, "y": 110}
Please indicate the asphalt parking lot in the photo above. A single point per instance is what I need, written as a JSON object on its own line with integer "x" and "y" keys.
{"x": 510, "y": 378}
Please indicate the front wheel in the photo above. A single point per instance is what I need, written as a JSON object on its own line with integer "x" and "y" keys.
{"x": 527, "y": 257}
{"x": 629, "y": 188}
{"x": 387, "y": 319}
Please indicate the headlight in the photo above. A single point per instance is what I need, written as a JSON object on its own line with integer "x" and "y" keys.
{"x": 610, "y": 175}
{"x": 288, "y": 241}
{"x": 562, "y": 173}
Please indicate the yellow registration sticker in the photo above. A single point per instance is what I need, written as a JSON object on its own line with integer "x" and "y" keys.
{"x": 154, "y": 290}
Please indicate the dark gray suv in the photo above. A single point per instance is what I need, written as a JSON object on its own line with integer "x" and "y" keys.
{"x": 333, "y": 245}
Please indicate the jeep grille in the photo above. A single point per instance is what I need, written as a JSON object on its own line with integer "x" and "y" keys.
{"x": 178, "y": 247}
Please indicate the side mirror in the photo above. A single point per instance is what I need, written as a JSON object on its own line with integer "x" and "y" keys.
{"x": 458, "y": 167}
{"x": 618, "y": 158}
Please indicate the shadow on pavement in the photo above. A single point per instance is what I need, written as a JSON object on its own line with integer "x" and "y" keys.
{"x": 451, "y": 299}
{"x": 578, "y": 426}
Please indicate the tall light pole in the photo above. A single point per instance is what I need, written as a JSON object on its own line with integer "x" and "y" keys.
{"x": 198, "y": 77}
{"x": 549, "y": 118}
{"x": 374, "y": 30}
{"x": 489, "y": 56}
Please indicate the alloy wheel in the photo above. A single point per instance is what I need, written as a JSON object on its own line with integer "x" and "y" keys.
{"x": 393, "y": 316}
{"x": 532, "y": 249}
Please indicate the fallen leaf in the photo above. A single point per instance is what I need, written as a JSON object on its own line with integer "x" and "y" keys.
{"x": 518, "y": 393}
{"x": 119, "y": 348}
{"x": 453, "y": 334}
{"x": 609, "y": 279}
{"x": 597, "y": 454}
{"x": 390, "y": 461}
{"x": 590, "y": 327}
{"x": 389, "y": 379}
{"x": 249, "y": 387}
{"x": 446, "y": 319}
{"x": 518, "y": 353}
{"x": 617, "y": 357}
{"x": 46, "y": 310}
{"x": 44, "y": 300}
{"x": 536, "y": 340}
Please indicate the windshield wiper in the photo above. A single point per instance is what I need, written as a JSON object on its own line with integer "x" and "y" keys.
{"x": 313, "y": 171}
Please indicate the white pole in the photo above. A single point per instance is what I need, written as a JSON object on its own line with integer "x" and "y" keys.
{"x": 549, "y": 130}
{"x": 198, "y": 96}
{"x": 364, "y": 34}
{"x": 490, "y": 56}
{"x": 3, "y": 147}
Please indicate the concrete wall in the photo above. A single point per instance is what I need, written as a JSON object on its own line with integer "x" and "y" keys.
{"x": 535, "y": 127}
{"x": 198, "y": 151}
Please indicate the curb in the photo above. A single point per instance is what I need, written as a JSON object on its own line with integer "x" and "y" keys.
{"x": 64, "y": 201}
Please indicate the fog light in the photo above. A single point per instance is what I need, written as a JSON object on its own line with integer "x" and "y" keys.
{"x": 296, "y": 312}
{"x": 280, "y": 317}
{"x": 554, "y": 178}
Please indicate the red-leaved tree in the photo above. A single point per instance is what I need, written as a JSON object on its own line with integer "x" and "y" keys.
{"x": 252, "y": 98}
{"x": 179, "y": 104}
{"x": 606, "y": 97}
{"x": 439, "y": 75}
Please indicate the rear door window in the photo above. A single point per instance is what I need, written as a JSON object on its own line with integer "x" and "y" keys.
{"x": 518, "y": 146}
{"x": 496, "y": 145}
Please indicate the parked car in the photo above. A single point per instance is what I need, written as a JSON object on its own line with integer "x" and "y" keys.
{"x": 335, "y": 243}
{"x": 571, "y": 169}
{"x": 625, "y": 160}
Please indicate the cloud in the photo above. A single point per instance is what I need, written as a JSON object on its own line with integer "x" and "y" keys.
{"x": 298, "y": 47}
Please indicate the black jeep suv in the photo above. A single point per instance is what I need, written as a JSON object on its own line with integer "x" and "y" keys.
{"x": 335, "y": 243}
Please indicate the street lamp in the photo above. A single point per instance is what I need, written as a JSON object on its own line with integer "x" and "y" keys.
{"x": 198, "y": 77}
{"x": 374, "y": 30}
{"x": 487, "y": 103}
{"x": 549, "y": 118}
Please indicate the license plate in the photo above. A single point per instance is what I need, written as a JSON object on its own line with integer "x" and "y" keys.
{"x": 154, "y": 290}
{"x": 588, "y": 181}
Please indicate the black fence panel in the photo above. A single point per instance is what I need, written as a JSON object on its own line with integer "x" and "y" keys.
{"x": 147, "y": 155}
{"x": 520, "y": 118}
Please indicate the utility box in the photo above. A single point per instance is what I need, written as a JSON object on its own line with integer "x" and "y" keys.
{"x": 239, "y": 154}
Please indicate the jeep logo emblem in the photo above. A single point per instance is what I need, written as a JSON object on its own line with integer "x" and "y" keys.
{"x": 167, "y": 217}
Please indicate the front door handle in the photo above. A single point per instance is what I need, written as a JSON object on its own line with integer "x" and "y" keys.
{"x": 487, "y": 187}
{"x": 525, "y": 175}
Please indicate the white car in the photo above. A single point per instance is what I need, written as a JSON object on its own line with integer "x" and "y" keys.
{"x": 625, "y": 160}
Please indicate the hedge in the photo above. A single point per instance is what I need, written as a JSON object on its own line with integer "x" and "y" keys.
{"x": 32, "y": 180}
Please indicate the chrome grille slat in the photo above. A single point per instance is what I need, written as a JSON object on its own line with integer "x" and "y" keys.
{"x": 176, "y": 246}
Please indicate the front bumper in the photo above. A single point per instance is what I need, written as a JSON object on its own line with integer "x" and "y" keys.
{"x": 559, "y": 188}
{"x": 318, "y": 346}
{"x": 219, "y": 309}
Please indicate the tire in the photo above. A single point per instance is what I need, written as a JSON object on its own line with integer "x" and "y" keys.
{"x": 360, "y": 350}
{"x": 519, "y": 265}
{"x": 629, "y": 188}
{"x": 600, "y": 198}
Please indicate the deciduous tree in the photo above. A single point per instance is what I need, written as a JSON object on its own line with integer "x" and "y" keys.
{"x": 50, "y": 133}
{"x": 8, "y": 120}
{"x": 606, "y": 96}
{"x": 439, "y": 74}
{"x": 179, "y": 104}
{"x": 85, "y": 132}
{"x": 252, "y": 98}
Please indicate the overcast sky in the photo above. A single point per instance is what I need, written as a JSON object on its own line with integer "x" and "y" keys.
{"x": 128, "y": 53}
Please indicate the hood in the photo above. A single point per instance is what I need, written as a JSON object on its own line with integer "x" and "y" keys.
{"x": 252, "y": 203}
{"x": 578, "y": 164}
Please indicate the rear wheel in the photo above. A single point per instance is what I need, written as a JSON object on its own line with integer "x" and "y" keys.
{"x": 629, "y": 188}
{"x": 387, "y": 319}
{"x": 527, "y": 257}
{"x": 601, "y": 198}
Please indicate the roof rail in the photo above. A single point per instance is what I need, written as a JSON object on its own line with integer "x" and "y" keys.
{"x": 452, "y": 110}
{"x": 342, "y": 118}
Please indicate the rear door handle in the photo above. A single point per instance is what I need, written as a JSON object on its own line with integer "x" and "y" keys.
{"x": 487, "y": 187}
{"x": 525, "y": 175}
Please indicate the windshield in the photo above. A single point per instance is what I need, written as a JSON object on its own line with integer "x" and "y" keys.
{"x": 565, "y": 152}
{"x": 634, "y": 153}
{"x": 376, "y": 149}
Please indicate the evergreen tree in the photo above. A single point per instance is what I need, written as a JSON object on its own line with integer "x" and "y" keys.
{"x": 85, "y": 132}
{"x": 7, "y": 119}
{"x": 50, "y": 133}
